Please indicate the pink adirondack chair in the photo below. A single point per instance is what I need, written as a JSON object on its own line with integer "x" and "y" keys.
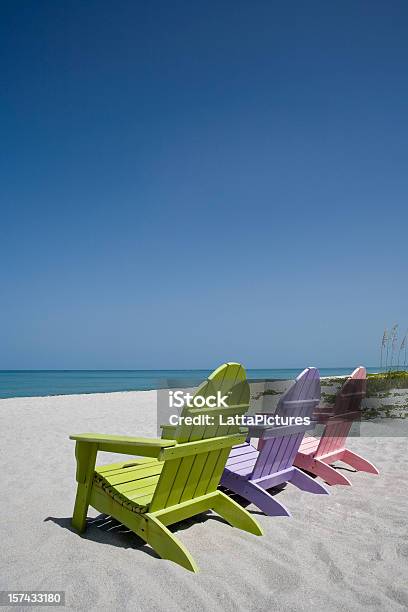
{"x": 316, "y": 454}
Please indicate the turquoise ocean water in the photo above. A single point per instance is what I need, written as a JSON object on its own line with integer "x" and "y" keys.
{"x": 31, "y": 383}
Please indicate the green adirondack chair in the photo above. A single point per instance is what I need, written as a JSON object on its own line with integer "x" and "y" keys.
{"x": 176, "y": 479}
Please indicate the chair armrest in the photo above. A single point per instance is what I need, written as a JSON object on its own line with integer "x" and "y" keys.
{"x": 148, "y": 447}
{"x": 277, "y": 431}
{"x": 185, "y": 449}
{"x": 322, "y": 416}
{"x": 168, "y": 431}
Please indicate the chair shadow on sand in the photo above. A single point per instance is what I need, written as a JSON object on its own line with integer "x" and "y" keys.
{"x": 106, "y": 530}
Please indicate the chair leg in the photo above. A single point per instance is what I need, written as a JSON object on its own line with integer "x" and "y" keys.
{"x": 264, "y": 500}
{"x": 328, "y": 473}
{"x": 86, "y": 456}
{"x": 167, "y": 545}
{"x": 359, "y": 463}
{"x": 235, "y": 515}
{"x": 307, "y": 483}
{"x": 148, "y": 527}
{"x": 255, "y": 494}
{"x": 80, "y": 509}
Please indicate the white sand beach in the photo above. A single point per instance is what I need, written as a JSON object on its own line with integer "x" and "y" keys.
{"x": 347, "y": 551}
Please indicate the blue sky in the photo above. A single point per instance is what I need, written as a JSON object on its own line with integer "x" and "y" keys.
{"x": 186, "y": 183}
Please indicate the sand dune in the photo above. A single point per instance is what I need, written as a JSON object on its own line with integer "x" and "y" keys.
{"x": 346, "y": 551}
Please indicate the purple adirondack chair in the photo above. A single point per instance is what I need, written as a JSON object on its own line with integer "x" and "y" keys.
{"x": 250, "y": 472}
